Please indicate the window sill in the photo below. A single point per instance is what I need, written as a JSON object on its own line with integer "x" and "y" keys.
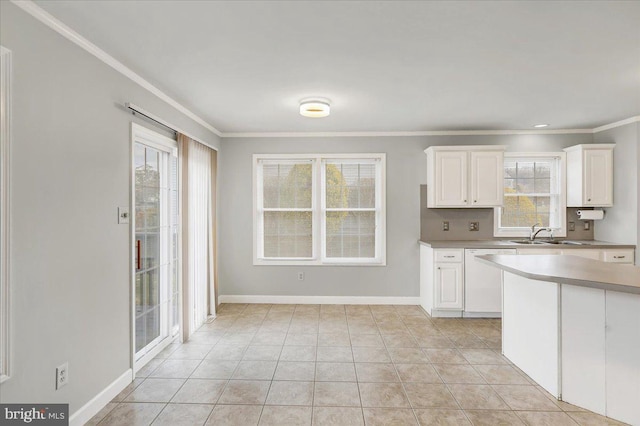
{"x": 260, "y": 262}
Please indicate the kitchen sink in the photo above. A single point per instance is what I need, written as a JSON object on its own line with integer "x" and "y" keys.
{"x": 543, "y": 242}
{"x": 566, "y": 243}
{"x": 527, "y": 242}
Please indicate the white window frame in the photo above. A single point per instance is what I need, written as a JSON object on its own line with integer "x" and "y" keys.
{"x": 560, "y": 231}
{"x": 5, "y": 155}
{"x": 318, "y": 209}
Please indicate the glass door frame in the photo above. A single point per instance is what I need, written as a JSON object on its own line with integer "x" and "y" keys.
{"x": 151, "y": 139}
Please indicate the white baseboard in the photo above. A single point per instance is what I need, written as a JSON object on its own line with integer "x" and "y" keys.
{"x": 481, "y": 315}
{"x": 320, "y": 300}
{"x": 98, "y": 402}
{"x": 438, "y": 313}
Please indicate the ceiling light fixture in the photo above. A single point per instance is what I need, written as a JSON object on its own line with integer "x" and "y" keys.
{"x": 540, "y": 126}
{"x": 315, "y": 107}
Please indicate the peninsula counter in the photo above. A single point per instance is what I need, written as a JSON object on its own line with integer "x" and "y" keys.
{"x": 573, "y": 325}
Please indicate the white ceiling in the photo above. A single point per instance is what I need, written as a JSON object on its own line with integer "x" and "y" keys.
{"x": 386, "y": 66}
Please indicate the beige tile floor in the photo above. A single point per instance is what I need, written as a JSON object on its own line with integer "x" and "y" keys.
{"x": 338, "y": 365}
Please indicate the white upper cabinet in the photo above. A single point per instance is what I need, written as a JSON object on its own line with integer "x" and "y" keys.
{"x": 465, "y": 176}
{"x": 590, "y": 175}
{"x": 487, "y": 178}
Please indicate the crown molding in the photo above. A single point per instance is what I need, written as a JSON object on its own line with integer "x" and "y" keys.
{"x": 49, "y": 20}
{"x": 400, "y": 133}
{"x": 617, "y": 124}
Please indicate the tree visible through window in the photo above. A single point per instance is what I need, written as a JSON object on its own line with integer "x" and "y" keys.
{"x": 319, "y": 208}
{"x": 532, "y": 193}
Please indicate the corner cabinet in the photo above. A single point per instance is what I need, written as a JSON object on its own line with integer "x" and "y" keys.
{"x": 465, "y": 176}
{"x": 590, "y": 175}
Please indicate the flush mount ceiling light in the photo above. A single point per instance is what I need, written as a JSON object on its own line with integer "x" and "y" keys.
{"x": 540, "y": 126}
{"x": 315, "y": 107}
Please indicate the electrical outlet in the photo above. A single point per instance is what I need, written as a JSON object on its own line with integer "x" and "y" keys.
{"x": 300, "y": 276}
{"x": 572, "y": 226}
{"x": 62, "y": 375}
{"x": 587, "y": 225}
{"x": 474, "y": 226}
{"x": 445, "y": 225}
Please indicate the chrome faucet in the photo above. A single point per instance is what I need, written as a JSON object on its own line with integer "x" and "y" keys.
{"x": 534, "y": 233}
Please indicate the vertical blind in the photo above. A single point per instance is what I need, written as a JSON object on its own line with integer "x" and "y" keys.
{"x": 199, "y": 232}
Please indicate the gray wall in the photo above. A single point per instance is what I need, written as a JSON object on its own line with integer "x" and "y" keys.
{"x": 406, "y": 170}
{"x": 620, "y": 223}
{"x": 70, "y": 170}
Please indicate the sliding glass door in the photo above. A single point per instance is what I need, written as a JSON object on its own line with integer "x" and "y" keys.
{"x": 156, "y": 240}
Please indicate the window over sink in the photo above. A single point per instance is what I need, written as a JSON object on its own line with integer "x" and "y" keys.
{"x": 534, "y": 193}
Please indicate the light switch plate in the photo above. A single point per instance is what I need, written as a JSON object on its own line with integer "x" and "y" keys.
{"x": 572, "y": 226}
{"x": 123, "y": 215}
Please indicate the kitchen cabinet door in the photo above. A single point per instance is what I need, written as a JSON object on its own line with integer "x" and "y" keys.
{"x": 487, "y": 178}
{"x": 598, "y": 177}
{"x": 448, "y": 286}
{"x": 451, "y": 178}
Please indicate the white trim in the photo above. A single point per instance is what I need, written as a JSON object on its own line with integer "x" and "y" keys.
{"x": 321, "y": 300}
{"x": 401, "y": 133}
{"x": 155, "y": 351}
{"x": 98, "y": 402}
{"x": 46, "y": 18}
{"x": 624, "y": 122}
{"x": 318, "y": 210}
{"x": 5, "y": 228}
{"x": 562, "y": 207}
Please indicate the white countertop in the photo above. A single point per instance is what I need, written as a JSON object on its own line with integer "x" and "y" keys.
{"x": 489, "y": 244}
{"x": 572, "y": 270}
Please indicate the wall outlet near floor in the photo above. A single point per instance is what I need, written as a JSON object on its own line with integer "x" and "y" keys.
{"x": 572, "y": 226}
{"x": 62, "y": 375}
{"x": 474, "y": 226}
{"x": 445, "y": 225}
{"x": 300, "y": 276}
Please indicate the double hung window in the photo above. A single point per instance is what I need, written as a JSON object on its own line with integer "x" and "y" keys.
{"x": 534, "y": 193}
{"x": 319, "y": 209}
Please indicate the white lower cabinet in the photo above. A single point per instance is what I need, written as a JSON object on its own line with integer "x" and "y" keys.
{"x": 442, "y": 281}
{"x": 601, "y": 351}
{"x": 448, "y": 286}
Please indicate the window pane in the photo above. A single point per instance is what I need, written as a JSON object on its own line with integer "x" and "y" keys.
{"x": 288, "y": 234}
{"x": 351, "y": 234}
{"x": 350, "y": 185}
{"x": 525, "y": 169}
{"x": 287, "y": 185}
{"x": 543, "y": 186}
{"x": 525, "y": 211}
{"x": 543, "y": 170}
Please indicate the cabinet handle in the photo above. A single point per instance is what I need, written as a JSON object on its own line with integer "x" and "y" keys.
{"x": 449, "y": 257}
{"x": 438, "y": 267}
{"x": 619, "y": 257}
{"x": 475, "y": 201}
{"x": 588, "y": 199}
{"x": 465, "y": 201}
